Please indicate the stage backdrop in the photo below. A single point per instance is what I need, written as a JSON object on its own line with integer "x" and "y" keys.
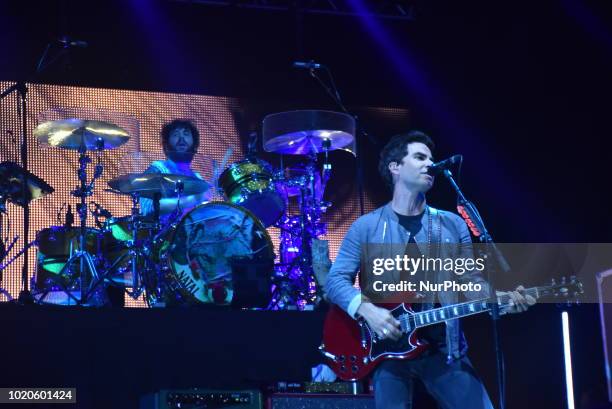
{"x": 142, "y": 114}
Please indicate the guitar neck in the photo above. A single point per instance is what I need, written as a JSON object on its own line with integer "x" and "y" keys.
{"x": 441, "y": 314}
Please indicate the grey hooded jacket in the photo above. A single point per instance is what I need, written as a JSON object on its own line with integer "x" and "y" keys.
{"x": 368, "y": 234}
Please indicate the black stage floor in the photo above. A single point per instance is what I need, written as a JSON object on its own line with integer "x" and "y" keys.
{"x": 113, "y": 355}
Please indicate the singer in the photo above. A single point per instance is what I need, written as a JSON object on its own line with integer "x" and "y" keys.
{"x": 409, "y": 222}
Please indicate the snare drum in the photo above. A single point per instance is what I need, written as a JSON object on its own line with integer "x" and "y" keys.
{"x": 116, "y": 246}
{"x": 249, "y": 183}
{"x": 212, "y": 246}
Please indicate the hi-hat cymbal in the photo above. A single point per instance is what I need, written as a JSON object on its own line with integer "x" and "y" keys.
{"x": 74, "y": 133}
{"x": 148, "y": 184}
{"x": 308, "y": 131}
{"x": 12, "y": 177}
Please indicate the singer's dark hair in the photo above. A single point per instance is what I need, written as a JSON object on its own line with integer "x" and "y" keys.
{"x": 397, "y": 148}
{"x": 176, "y": 124}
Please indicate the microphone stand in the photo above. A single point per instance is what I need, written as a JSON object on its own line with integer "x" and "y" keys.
{"x": 469, "y": 212}
{"x": 333, "y": 92}
{"x": 25, "y": 296}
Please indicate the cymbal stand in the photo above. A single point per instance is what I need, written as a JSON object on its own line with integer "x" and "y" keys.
{"x": 155, "y": 283}
{"x": 312, "y": 208}
{"x": 4, "y": 250}
{"x": 137, "y": 256}
{"x": 296, "y": 285}
{"x": 25, "y": 296}
{"x": 85, "y": 260}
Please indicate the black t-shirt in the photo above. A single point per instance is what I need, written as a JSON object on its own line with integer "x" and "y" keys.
{"x": 434, "y": 334}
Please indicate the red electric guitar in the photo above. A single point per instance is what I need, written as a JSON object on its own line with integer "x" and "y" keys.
{"x": 353, "y": 350}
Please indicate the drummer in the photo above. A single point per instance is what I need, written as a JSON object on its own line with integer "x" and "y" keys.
{"x": 180, "y": 141}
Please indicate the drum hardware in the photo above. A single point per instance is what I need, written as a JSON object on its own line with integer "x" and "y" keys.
{"x": 81, "y": 135}
{"x": 309, "y": 133}
{"x": 4, "y": 253}
{"x": 295, "y": 283}
{"x": 97, "y": 212}
{"x": 20, "y": 87}
{"x": 19, "y": 187}
{"x": 133, "y": 237}
{"x": 133, "y": 248}
{"x": 148, "y": 275}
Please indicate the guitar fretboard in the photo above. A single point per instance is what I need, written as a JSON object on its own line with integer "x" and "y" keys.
{"x": 441, "y": 314}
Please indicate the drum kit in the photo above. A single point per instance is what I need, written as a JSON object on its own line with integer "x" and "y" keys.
{"x": 218, "y": 252}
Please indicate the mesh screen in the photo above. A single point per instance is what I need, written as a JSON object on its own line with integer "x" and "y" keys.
{"x": 142, "y": 114}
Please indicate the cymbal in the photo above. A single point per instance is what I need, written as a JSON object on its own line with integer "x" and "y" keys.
{"x": 308, "y": 131}
{"x": 12, "y": 177}
{"x": 148, "y": 184}
{"x": 73, "y": 133}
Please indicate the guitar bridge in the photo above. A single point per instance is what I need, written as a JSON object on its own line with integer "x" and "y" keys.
{"x": 326, "y": 354}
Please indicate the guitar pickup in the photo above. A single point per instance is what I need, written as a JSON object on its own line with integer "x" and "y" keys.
{"x": 364, "y": 341}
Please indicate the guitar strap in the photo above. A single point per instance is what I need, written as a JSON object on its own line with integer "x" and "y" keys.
{"x": 433, "y": 244}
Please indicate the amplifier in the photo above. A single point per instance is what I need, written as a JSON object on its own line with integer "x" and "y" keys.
{"x": 347, "y": 388}
{"x": 203, "y": 398}
{"x": 319, "y": 401}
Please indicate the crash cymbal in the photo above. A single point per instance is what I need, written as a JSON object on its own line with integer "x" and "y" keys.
{"x": 12, "y": 178}
{"x": 73, "y": 133}
{"x": 148, "y": 184}
{"x": 308, "y": 131}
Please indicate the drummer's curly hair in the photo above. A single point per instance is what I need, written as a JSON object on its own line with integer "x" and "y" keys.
{"x": 396, "y": 149}
{"x": 176, "y": 124}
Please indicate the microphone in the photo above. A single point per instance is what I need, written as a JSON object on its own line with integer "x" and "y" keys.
{"x": 69, "y": 220}
{"x": 310, "y": 65}
{"x": 102, "y": 212}
{"x": 441, "y": 166}
{"x": 67, "y": 42}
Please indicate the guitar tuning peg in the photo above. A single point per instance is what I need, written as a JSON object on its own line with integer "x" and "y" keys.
{"x": 552, "y": 281}
{"x": 563, "y": 280}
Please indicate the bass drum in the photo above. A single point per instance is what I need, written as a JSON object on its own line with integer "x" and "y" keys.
{"x": 217, "y": 254}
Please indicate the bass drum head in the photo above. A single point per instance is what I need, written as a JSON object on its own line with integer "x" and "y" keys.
{"x": 211, "y": 246}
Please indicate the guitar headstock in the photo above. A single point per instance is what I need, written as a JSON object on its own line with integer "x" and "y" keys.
{"x": 565, "y": 290}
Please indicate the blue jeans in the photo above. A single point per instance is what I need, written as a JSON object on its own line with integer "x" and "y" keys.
{"x": 453, "y": 386}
